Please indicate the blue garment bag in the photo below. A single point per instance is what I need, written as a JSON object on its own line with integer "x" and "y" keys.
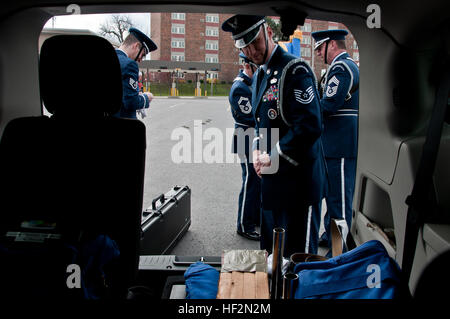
{"x": 202, "y": 281}
{"x": 366, "y": 272}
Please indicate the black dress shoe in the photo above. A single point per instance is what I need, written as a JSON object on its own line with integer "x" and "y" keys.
{"x": 323, "y": 241}
{"x": 252, "y": 236}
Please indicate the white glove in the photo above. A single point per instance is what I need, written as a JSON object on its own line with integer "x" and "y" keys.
{"x": 142, "y": 113}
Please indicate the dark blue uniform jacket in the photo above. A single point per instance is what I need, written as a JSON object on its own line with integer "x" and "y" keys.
{"x": 132, "y": 100}
{"x": 340, "y": 108}
{"x": 285, "y": 99}
{"x": 241, "y": 109}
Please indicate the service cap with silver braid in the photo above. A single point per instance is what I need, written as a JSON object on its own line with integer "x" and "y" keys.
{"x": 325, "y": 36}
{"x": 147, "y": 44}
{"x": 244, "y": 28}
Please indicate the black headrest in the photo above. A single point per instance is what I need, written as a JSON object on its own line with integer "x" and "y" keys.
{"x": 80, "y": 74}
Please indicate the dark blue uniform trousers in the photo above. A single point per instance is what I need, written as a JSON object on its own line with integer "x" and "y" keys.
{"x": 249, "y": 209}
{"x": 301, "y": 223}
{"x": 341, "y": 174}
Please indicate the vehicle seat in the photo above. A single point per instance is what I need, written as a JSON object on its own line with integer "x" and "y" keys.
{"x": 80, "y": 169}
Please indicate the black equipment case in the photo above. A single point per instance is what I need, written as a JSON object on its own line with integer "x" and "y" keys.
{"x": 166, "y": 221}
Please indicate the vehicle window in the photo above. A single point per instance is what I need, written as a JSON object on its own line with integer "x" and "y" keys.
{"x": 189, "y": 122}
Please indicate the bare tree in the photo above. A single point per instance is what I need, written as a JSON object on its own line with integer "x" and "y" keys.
{"x": 115, "y": 27}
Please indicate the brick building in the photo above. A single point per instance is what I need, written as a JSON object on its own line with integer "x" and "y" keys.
{"x": 195, "y": 37}
{"x": 308, "y": 44}
{"x": 198, "y": 37}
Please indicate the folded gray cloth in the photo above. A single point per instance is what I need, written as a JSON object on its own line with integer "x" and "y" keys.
{"x": 244, "y": 260}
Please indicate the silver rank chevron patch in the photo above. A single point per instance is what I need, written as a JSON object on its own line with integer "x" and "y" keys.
{"x": 245, "y": 105}
{"x": 133, "y": 83}
{"x": 332, "y": 87}
{"x": 304, "y": 97}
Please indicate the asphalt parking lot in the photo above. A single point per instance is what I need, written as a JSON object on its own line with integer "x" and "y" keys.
{"x": 215, "y": 186}
{"x": 215, "y": 180}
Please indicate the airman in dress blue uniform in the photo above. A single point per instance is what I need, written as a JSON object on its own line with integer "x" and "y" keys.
{"x": 340, "y": 100}
{"x": 241, "y": 109}
{"x": 287, "y": 151}
{"x": 133, "y": 49}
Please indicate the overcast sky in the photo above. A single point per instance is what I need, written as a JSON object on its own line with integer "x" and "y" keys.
{"x": 93, "y": 21}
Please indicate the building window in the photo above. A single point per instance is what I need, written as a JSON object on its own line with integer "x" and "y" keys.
{"x": 306, "y": 27}
{"x": 178, "y": 43}
{"x": 306, "y": 52}
{"x": 213, "y": 18}
{"x": 178, "y": 16}
{"x": 178, "y": 28}
{"x": 212, "y": 45}
{"x": 212, "y": 75}
{"x": 212, "y": 32}
{"x": 306, "y": 40}
{"x": 212, "y": 58}
{"x": 177, "y": 56}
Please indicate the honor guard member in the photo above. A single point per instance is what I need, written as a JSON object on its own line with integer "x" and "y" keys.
{"x": 287, "y": 148}
{"x": 249, "y": 208}
{"x": 339, "y": 102}
{"x": 133, "y": 49}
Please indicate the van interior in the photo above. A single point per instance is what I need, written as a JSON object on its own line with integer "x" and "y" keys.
{"x": 401, "y": 186}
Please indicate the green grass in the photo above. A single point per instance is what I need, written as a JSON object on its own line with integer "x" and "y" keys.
{"x": 188, "y": 89}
